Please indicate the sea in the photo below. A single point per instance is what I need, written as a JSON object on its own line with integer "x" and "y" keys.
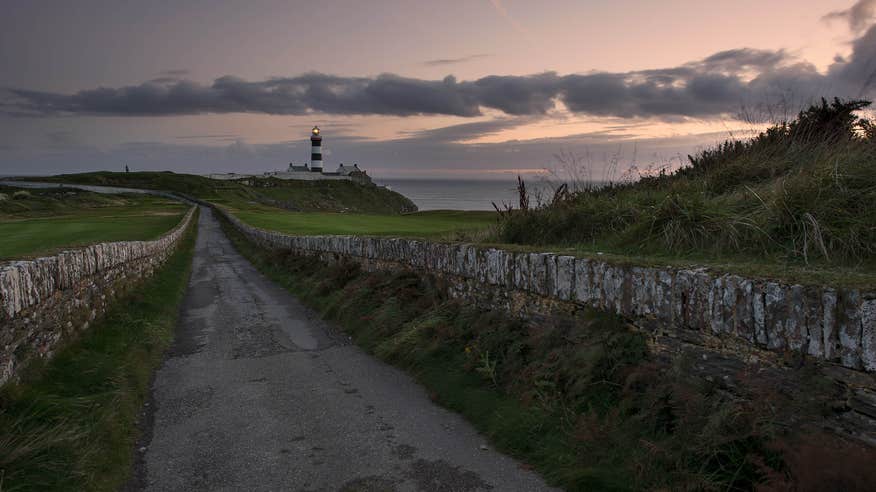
{"x": 457, "y": 194}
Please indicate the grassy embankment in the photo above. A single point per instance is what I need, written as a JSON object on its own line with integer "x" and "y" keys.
{"x": 71, "y": 423}
{"x": 795, "y": 202}
{"x": 582, "y": 401}
{"x": 41, "y": 222}
{"x": 431, "y": 224}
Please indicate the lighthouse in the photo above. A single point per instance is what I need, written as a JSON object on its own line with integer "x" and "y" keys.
{"x": 315, "y": 150}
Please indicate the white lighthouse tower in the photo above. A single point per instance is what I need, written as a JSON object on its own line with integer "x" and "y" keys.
{"x": 315, "y": 150}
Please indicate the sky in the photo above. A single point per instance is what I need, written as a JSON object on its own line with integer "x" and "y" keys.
{"x": 409, "y": 88}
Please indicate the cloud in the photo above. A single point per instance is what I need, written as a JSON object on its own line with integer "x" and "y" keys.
{"x": 169, "y": 76}
{"x": 465, "y": 131}
{"x": 174, "y": 73}
{"x": 859, "y": 16}
{"x": 717, "y": 85}
{"x": 454, "y": 61}
{"x": 221, "y": 136}
{"x": 503, "y": 12}
{"x": 857, "y": 72}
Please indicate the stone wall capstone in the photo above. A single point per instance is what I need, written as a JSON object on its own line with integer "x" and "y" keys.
{"x": 48, "y": 300}
{"x": 826, "y": 323}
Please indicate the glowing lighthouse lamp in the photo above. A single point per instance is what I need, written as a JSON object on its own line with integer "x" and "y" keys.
{"x": 315, "y": 151}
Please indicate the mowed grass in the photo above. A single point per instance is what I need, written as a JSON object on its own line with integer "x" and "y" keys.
{"x": 142, "y": 219}
{"x": 431, "y": 224}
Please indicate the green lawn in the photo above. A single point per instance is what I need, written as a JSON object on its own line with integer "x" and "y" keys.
{"x": 141, "y": 219}
{"x": 432, "y": 224}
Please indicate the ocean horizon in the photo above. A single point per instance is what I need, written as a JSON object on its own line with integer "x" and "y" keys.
{"x": 463, "y": 194}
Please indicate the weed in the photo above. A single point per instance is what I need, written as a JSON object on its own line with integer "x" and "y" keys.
{"x": 70, "y": 424}
{"x": 487, "y": 368}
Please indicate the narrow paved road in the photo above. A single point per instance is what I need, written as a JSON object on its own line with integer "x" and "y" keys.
{"x": 259, "y": 394}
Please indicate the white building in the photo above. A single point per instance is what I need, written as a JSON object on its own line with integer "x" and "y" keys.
{"x": 308, "y": 172}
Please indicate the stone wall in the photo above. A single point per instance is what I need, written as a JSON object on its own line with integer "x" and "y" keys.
{"x": 833, "y": 324}
{"x": 48, "y": 300}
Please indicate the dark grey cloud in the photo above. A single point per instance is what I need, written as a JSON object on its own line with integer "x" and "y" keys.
{"x": 859, "y": 16}
{"x": 716, "y": 85}
{"x": 454, "y": 61}
{"x": 530, "y": 95}
{"x": 857, "y": 72}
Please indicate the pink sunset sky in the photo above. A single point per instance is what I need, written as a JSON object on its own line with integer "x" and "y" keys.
{"x": 409, "y": 88}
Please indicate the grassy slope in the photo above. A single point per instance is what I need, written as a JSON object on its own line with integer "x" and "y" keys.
{"x": 793, "y": 203}
{"x": 43, "y": 222}
{"x": 71, "y": 424}
{"x": 440, "y": 223}
{"x": 341, "y": 196}
{"x": 190, "y": 184}
{"x": 336, "y": 196}
{"x": 583, "y": 402}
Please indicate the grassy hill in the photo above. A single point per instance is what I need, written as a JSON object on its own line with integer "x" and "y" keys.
{"x": 336, "y": 196}
{"x": 302, "y": 196}
{"x": 801, "y": 193}
{"x": 40, "y": 222}
{"x": 307, "y": 207}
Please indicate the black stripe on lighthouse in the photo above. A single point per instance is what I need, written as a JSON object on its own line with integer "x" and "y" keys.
{"x": 315, "y": 150}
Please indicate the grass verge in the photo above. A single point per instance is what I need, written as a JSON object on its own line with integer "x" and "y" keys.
{"x": 70, "y": 424}
{"x": 582, "y": 401}
{"x": 431, "y": 224}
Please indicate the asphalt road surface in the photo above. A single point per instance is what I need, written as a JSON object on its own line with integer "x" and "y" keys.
{"x": 257, "y": 393}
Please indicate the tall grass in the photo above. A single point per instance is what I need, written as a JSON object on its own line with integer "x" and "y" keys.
{"x": 582, "y": 400}
{"x": 800, "y": 191}
{"x": 71, "y": 423}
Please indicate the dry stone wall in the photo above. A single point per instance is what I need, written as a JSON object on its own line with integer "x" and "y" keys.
{"x": 48, "y": 300}
{"x": 833, "y": 324}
